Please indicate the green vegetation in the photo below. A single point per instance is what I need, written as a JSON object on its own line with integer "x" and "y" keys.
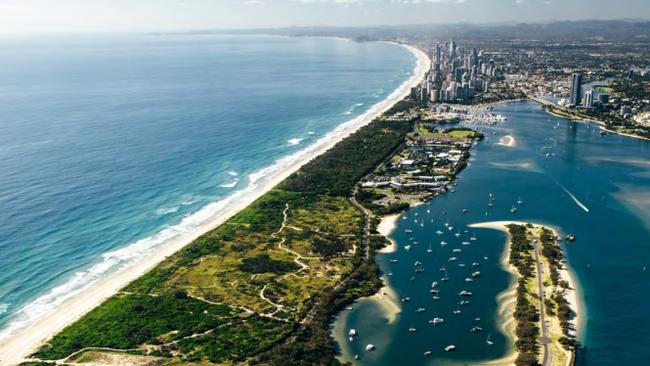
{"x": 264, "y": 285}
{"x": 262, "y": 263}
{"x": 526, "y": 314}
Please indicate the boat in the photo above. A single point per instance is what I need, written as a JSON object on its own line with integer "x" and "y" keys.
{"x": 513, "y": 209}
{"x": 473, "y": 237}
{"x": 461, "y": 264}
{"x": 352, "y": 332}
{"x": 464, "y": 210}
{"x": 457, "y": 250}
{"x": 488, "y": 341}
{"x": 434, "y": 284}
{"x": 476, "y": 329}
{"x": 570, "y": 237}
{"x": 464, "y": 302}
{"x": 351, "y": 339}
{"x": 453, "y": 259}
{"x": 439, "y": 232}
{"x": 417, "y": 263}
{"x": 356, "y": 357}
{"x": 412, "y": 329}
{"x": 457, "y": 311}
{"x": 450, "y": 228}
{"x": 436, "y": 297}
{"x": 465, "y": 243}
{"x": 419, "y": 270}
{"x": 437, "y": 321}
{"x": 457, "y": 234}
{"x": 476, "y": 264}
{"x": 476, "y": 274}
{"x": 420, "y": 310}
{"x": 450, "y": 348}
{"x": 370, "y": 347}
{"x": 408, "y": 231}
{"x": 429, "y": 250}
{"x": 407, "y": 248}
{"x": 519, "y": 201}
{"x": 427, "y": 353}
{"x": 446, "y": 278}
{"x": 469, "y": 279}
{"x": 393, "y": 261}
{"x": 442, "y": 269}
{"x": 443, "y": 243}
{"x": 465, "y": 293}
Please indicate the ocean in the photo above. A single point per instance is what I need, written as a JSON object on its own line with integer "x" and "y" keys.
{"x": 568, "y": 176}
{"x": 112, "y": 145}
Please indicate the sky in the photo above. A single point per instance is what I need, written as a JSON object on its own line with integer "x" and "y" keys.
{"x": 81, "y": 16}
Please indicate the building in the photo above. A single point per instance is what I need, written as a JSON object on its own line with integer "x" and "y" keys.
{"x": 576, "y": 86}
{"x": 588, "y": 100}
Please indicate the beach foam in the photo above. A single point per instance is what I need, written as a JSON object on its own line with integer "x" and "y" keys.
{"x": 48, "y": 314}
{"x": 294, "y": 141}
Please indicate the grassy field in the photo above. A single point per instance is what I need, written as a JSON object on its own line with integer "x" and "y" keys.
{"x": 266, "y": 282}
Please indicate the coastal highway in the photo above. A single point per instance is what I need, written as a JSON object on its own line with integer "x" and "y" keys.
{"x": 545, "y": 340}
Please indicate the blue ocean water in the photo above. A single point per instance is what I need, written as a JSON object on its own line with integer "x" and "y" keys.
{"x": 111, "y": 145}
{"x": 568, "y": 176}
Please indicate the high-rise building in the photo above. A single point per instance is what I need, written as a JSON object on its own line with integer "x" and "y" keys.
{"x": 576, "y": 86}
{"x": 588, "y": 100}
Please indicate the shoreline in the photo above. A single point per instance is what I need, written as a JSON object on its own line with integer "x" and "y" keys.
{"x": 601, "y": 125}
{"x": 20, "y": 343}
{"x": 386, "y": 226}
{"x": 571, "y": 294}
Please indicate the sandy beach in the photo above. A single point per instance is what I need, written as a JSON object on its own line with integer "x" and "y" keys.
{"x": 18, "y": 345}
{"x": 385, "y": 228}
{"x": 508, "y": 297}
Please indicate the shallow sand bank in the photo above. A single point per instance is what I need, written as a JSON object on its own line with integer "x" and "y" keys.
{"x": 22, "y": 342}
{"x": 385, "y": 228}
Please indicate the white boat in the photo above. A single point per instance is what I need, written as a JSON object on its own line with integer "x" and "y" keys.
{"x": 407, "y": 247}
{"x": 488, "y": 341}
{"x": 457, "y": 250}
{"x": 450, "y": 348}
{"x": 453, "y": 259}
{"x": 476, "y": 329}
{"x": 427, "y": 353}
{"x": 419, "y": 310}
{"x": 513, "y": 209}
{"x": 465, "y": 243}
{"x": 476, "y": 274}
{"x": 469, "y": 279}
{"x": 438, "y": 232}
{"x": 412, "y": 329}
{"x": 476, "y": 264}
{"x": 370, "y": 347}
{"x": 443, "y": 243}
{"x": 473, "y": 238}
{"x": 457, "y": 311}
{"x": 434, "y": 284}
{"x": 408, "y": 231}
{"x": 352, "y": 332}
{"x": 429, "y": 250}
{"x": 465, "y": 293}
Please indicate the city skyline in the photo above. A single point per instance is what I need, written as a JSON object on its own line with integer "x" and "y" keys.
{"x": 76, "y": 16}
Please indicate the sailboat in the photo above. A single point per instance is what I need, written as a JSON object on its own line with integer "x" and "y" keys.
{"x": 429, "y": 250}
{"x": 488, "y": 341}
{"x": 513, "y": 209}
{"x": 519, "y": 201}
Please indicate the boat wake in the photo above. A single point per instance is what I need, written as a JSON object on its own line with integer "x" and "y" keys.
{"x": 574, "y": 198}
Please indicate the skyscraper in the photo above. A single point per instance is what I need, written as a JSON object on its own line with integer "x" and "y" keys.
{"x": 576, "y": 86}
{"x": 588, "y": 101}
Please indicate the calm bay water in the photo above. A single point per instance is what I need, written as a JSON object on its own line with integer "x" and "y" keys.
{"x": 109, "y": 146}
{"x": 609, "y": 178}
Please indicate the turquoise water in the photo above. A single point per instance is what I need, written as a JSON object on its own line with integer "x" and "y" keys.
{"x": 110, "y": 146}
{"x": 609, "y": 178}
